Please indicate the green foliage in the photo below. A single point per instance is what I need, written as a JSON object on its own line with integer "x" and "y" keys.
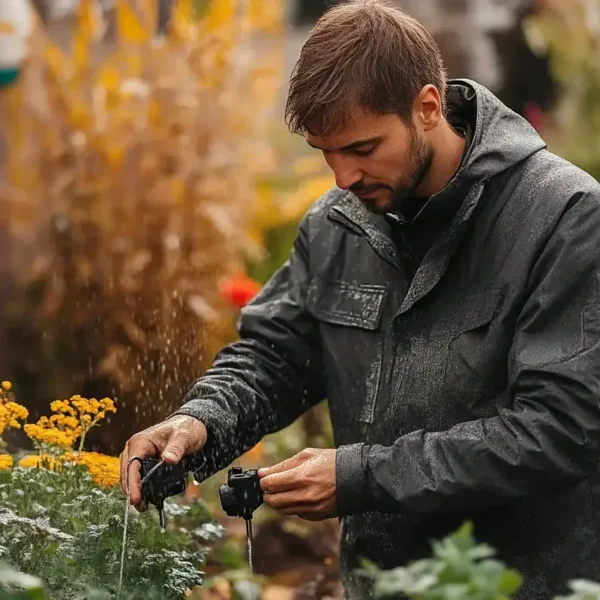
{"x": 19, "y": 586}
{"x": 582, "y": 590}
{"x": 68, "y": 532}
{"x": 567, "y": 32}
{"x": 460, "y": 569}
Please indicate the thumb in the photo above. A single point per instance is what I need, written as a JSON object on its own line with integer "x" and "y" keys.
{"x": 176, "y": 448}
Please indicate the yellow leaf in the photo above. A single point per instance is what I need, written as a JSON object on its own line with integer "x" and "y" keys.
{"x": 256, "y": 238}
{"x": 266, "y": 212}
{"x": 109, "y": 78}
{"x": 219, "y": 14}
{"x": 182, "y": 18}
{"x": 89, "y": 28}
{"x": 266, "y": 15}
{"x": 58, "y": 62}
{"x": 149, "y": 10}
{"x": 308, "y": 165}
{"x": 89, "y": 21}
{"x": 295, "y": 205}
{"x": 81, "y": 51}
{"x": 129, "y": 26}
{"x": 6, "y": 27}
{"x": 115, "y": 155}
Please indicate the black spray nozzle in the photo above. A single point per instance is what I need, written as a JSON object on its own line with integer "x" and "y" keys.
{"x": 161, "y": 481}
{"x": 242, "y": 494}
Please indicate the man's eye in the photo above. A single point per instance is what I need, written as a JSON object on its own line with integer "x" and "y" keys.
{"x": 364, "y": 152}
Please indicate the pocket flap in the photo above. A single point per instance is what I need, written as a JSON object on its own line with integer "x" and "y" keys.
{"x": 343, "y": 303}
{"x": 479, "y": 309}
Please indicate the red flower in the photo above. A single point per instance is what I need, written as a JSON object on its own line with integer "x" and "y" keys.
{"x": 239, "y": 290}
{"x": 535, "y": 115}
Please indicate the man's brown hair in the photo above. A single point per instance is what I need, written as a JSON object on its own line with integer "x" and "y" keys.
{"x": 363, "y": 52}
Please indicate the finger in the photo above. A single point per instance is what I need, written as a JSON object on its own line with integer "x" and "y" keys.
{"x": 140, "y": 447}
{"x": 124, "y": 457}
{"x": 284, "y": 465}
{"x": 135, "y": 483}
{"x": 282, "y": 482}
{"x": 303, "y": 512}
{"x": 188, "y": 437}
{"x": 286, "y": 500}
{"x": 176, "y": 447}
{"x": 318, "y": 512}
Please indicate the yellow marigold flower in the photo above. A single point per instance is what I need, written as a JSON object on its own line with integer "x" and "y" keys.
{"x": 6, "y": 462}
{"x": 103, "y": 469}
{"x": 108, "y": 405}
{"x": 7, "y": 386}
{"x": 10, "y": 415}
{"x": 44, "y": 461}
{"x": 70, "y": 422}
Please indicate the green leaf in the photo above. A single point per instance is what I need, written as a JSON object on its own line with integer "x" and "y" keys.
{"x": 245, "y": 590}
{"x": 15, "y": 585}
{"x": 510, "y": 582}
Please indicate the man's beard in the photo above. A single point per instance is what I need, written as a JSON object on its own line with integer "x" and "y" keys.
{"x": 421, "y": 153}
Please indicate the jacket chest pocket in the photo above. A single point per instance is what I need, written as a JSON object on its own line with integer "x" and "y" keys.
{"x": 441, "y": 364}
{"x": 349, "y": 318}
{"x": 476, "y": 365}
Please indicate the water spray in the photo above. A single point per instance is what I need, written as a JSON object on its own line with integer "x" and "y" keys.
{"x": 240, "y": 496}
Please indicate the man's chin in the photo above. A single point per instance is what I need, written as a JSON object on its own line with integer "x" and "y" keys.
{"x": 378, "y": 207}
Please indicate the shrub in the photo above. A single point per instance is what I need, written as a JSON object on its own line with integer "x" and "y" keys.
{"x": 62, "y": 518}
{"x": 140, "y": 174}
{"x": 460, "y": 569}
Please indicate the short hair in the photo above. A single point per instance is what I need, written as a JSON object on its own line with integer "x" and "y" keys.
{"x": 364, "y": 52}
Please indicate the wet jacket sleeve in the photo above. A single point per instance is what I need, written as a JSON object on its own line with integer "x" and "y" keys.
{"x": 549, "y": 437}
{"x": 270, "y": 376}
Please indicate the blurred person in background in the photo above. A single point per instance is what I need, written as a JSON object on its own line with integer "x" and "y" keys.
{"x": 444, "y": 298}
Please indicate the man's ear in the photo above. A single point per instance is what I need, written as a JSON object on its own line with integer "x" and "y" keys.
{"x": 427, "y": 108}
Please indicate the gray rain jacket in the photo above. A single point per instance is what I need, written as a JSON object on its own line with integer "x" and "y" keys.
{"x": 470, "y": 392}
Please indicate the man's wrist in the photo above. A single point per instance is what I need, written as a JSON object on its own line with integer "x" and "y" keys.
{"x": 351, "y": 483}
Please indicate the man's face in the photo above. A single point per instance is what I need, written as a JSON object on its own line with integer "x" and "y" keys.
{"x": 379, "y": 158}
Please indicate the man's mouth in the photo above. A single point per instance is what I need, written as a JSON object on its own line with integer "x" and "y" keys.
{"x": 367, "y": 196}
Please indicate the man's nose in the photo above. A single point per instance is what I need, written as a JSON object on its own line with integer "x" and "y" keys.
{"x": 346, "y": 174}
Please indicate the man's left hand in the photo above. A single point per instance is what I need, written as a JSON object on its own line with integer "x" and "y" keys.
{"x": 303, "y": 485}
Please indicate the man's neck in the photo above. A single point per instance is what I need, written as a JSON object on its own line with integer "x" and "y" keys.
{"x": 449, "y": 149}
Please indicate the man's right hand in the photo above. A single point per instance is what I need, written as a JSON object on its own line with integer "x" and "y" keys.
{"x": 171, "y": 440}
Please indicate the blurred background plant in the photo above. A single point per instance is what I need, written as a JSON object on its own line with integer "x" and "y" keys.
{"x": 568, "y": 32}
{"x": 137, "y": 183}
{"x": 460, "y": 568}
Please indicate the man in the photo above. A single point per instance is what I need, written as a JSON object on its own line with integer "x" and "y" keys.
{"x": 444, "y": 297}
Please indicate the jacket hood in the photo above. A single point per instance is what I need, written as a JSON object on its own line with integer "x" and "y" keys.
{"x": 501, "y": 137}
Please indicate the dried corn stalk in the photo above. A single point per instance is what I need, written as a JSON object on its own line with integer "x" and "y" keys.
{"x": 127, "y": 193}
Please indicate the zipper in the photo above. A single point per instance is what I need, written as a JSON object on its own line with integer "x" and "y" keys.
{"x": 340, "y": 217}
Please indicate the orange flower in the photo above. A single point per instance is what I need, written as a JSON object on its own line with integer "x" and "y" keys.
{"x": 257, "y": 453}
{"x": 239, "y": 290}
